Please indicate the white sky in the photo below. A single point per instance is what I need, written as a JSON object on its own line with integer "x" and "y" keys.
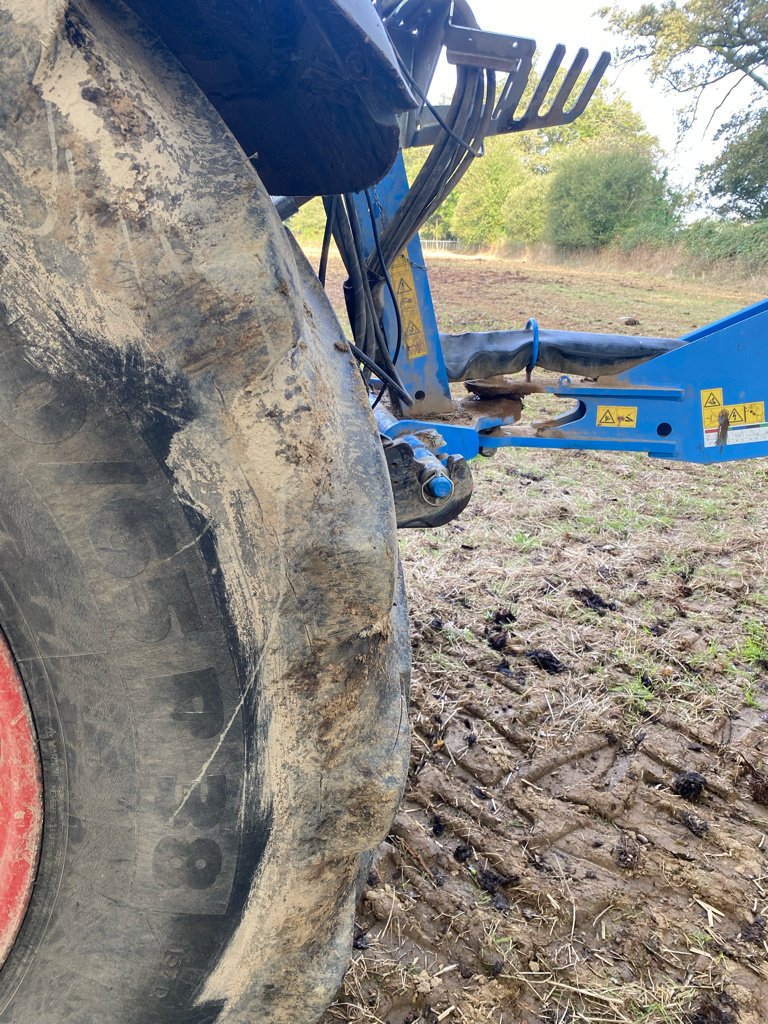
{"x": 573, "y": 23}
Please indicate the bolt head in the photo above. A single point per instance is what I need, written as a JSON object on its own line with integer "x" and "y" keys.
{"x": 440, "y": 487}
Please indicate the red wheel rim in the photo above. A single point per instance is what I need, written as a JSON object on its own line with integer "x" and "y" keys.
{"x": 21, "y": 802}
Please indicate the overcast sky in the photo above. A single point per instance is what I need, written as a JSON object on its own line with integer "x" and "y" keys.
{"x": 573, "y": 23}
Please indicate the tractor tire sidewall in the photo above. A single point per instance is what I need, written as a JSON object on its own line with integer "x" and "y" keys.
{"x": 109, "y": 609}
{"x": 198, "y": 575}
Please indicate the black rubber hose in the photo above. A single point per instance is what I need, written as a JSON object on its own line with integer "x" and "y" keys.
{"x": 327, "y": 237}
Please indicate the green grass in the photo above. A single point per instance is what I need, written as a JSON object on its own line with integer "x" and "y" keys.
{"x": 754, "y": 650}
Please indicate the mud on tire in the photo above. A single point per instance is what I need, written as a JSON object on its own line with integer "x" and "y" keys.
{"x": 197, "y": 561}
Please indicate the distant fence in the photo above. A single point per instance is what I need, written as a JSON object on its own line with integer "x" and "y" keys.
{"x": 448, "y": 245}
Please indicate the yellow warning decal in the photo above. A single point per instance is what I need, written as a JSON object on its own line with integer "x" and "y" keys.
{"x": 712, "y": 398}
{"x": 405, "y": 288}
{"x": 617, "y": 416}
{"x": 744, "y": 415}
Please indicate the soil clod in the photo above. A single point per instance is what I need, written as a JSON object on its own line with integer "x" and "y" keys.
{"x": 497, "y": 640}
{"x": 547, "y": 661}
{"x": 759, "y": 789}
{"x": 504, "y": 617}
{"x": 626, "y": 853}
{"x": 690, "y": 786}
{"x": 698, "y": 826}
{"x": 491, "y": 881}
{"x": 463, "y": 852}
{"x": 594, "y": 601}
{"x": 754, "y": 931}
{"x": 710, "y": 1012}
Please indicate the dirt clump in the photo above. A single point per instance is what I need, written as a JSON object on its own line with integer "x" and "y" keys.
{"x": 546, "y": 660}
{"x": 690, "y": 786}
{"x": 759, "y": 788}
{"x": 594, "y": 601}
{"x": 710, "y": 1012}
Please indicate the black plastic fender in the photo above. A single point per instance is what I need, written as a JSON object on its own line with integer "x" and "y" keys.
{"x": 311, "y": 89}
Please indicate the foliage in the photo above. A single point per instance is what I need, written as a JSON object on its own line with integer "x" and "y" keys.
{"x": 738, "y": 178}
{"x": 598, "y": 195}
{"x": 755, "y": 648}
{"x": 654, "y": 233}
{"x": 439, "y": 224}
{"x": 309, "y": 223}
{"x": 594, "y": 184}
{"x": 524, "y": 213}
{"x": 712, "y": 241}
{"x": 607, "y": 118}
{"x": 479, "y": 217}
{"x": 694, "y": 45}
{"x": 505, "y": 195}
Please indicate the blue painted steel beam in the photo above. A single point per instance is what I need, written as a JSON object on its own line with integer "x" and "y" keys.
{"x": 704, "y": 402}
{"x": 424, "y": 376}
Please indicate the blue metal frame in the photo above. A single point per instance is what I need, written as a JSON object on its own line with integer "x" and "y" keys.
{"x": 705, "y": 402}
{"x": 425, "y": 377}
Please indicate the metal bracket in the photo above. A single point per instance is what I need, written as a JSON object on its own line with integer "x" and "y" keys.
{"x": 429, "y": 490}
{"x": 514, "y": 55}
{"x": 704, "y": 402}
{"x": 472, "y": 47}
{"x": 421, "y": 365}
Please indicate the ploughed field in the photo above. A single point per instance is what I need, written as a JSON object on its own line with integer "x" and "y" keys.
{"x": 584, "y": 837}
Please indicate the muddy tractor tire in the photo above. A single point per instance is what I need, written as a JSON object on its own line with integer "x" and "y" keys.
{"x": 198, "y": 566}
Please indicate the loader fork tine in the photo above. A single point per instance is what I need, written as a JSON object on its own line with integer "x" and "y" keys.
{"x": 545, "y": 84}
{"x": 557, "y": 113}
{"x": 512, "y": 93}
{"x": 569, "y": 83}
{"x": 589, "y": 89}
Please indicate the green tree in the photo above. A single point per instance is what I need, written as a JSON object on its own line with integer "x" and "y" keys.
{"x": 525, "y": 210}
{"x": 609, "y": 117}
{"x": 738, "y": 178}
{"x": 598, "y": 195}
{"x": 504, "y": 196}
{"x": 478, "y": 218}
{"x": 694, "y": 45}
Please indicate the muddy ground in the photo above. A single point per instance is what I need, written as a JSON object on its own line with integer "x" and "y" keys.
{"x": 585, "y": 833}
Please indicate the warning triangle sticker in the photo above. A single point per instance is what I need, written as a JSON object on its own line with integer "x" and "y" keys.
{"x": 712, "y": 402}
{"x": 411, "y": 329}
{"x": 737, "y": 415}
{"x": 607, "y": 419}
{"x": 402, "y": 288}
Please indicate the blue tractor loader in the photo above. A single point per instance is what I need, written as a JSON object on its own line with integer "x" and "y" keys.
{"x": 203, "y": 659}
